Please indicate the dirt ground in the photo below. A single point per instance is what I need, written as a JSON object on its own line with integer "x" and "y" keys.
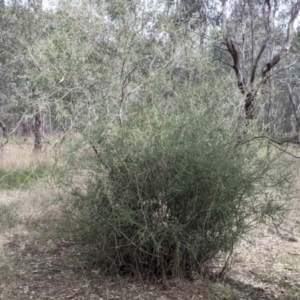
{"x": 35, "y": 264}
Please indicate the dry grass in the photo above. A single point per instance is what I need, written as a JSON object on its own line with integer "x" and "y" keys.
{"x": 17, "y": 155}
{"x": 35, "y": 263}
{"x": 270, "y": 259}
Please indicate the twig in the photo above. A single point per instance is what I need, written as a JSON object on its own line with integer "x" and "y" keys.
{"x": 274, "y": 142}
{"x": 105, "y": 164}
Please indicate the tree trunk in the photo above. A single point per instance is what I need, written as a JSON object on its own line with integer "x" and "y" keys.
{"x": 25, "y": 129}
{"x": 3, "y": 127}
{"x": 4, "y": 130}
{"x": 37, "y": 129}
{"x": 249, "y": 106}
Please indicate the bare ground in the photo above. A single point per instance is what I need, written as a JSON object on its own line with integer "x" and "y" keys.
{"x": 35, "y": 264}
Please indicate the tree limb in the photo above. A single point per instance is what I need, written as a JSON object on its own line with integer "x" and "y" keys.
{"x": 233, "y": 51}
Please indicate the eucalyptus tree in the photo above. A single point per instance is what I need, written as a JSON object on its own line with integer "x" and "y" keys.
{"x": 6, "y": 48}
{"x": 84, "y": 61}
{"x": 257, "y": 36}
{"x": 288, "y": 80}
{"x": 150, "y": 116}
{"x": 17, "y": 27}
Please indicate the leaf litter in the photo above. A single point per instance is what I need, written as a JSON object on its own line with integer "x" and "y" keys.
{"x": 36, "y": 265}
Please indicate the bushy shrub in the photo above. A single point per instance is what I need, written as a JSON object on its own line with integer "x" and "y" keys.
{"x": 171, "y": 176}
{"x": 171, "y": 189}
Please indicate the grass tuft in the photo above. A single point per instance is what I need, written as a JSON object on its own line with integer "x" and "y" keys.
{"x": 20, "y": 168}
{"x": 21, "y": 178}
{"x": 7, "y": 215}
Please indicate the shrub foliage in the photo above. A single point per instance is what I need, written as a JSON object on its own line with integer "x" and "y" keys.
{"x": 166, "y": 172}
{"x": 170, "y": 190}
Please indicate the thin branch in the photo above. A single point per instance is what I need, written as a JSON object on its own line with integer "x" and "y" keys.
{"x": 222, "y": 62}
{"x": 274, "y": 144}
{"x": 286, "y": 67}
{"x": 288, "y": 153}
{"x": 105, "y": 164}
{"x": 291, "y": 100}
{"x": 265, "y": 137}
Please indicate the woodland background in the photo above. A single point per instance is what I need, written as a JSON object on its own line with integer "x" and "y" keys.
{"x": 149, "y": 149}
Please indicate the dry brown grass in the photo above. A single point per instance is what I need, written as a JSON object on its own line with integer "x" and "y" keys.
{"x": 18, "y": 155}
{"x": 270, "y": 258}
{"x": 37, "y": 263}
